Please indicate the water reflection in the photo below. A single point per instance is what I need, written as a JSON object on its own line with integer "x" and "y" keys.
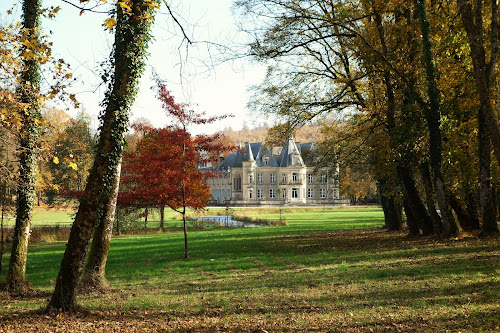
{"x": 225, "y": 221}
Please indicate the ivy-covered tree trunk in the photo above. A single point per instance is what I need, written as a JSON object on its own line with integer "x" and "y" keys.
{"x": 433, "y": 115}
{"x": 94, "y": 277}
{"x": 129, "y": 52}
{"x": 26, "y": 195}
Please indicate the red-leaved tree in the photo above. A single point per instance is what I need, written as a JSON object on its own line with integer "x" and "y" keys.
{"x": 163, "y": 170}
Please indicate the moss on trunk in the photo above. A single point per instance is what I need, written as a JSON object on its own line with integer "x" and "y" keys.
{"x": 28, "y": 91}
{"x": 94, "y": 277}
{"x": 128, "y": 55}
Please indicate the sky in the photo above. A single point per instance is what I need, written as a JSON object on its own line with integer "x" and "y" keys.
{"x": 196, "y": 76}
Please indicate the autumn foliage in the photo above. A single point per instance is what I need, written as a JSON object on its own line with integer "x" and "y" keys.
{"x": 162, "y": 171}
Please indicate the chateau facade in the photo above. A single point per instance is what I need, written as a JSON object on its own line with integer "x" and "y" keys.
{"x": 255, "y": 175}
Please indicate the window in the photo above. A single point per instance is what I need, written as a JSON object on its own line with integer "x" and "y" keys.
{"x": 323, "y": 178}
{"x": 260, "y": 178}
{"x": 335, "y": 193}
{"x": 310, "y": 193}
{"x": 272, "y": 178}
{"x": 322, "y": 193}
{"x": 250, "y": 194}
{"x": 295, "y": 193}
{"x": 250, "y": 178}
{"x": 260, "y": 193}
{"x": 295, "y": 177}
{"x": 283, "y": 193}
{"x": 272, "y": 193}
{"x": 310, "y": 178}
{"x": 229, "y": 193}
{"x": 237, "y": 183}
{"x": 283, "y": 178}
{"x": 266, "y": 160}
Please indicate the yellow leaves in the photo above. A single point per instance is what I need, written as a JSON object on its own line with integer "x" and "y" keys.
{"x": 70, "y": 163}
{"x": 153, "y": 5}
{"x": 110, "y": 23}
{"x": 124, "y": 6}
{"x": 73, "y": 166}
{"x": 28, "y": 55}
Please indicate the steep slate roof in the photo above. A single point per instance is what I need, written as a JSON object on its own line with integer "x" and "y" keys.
{"x": 264, "y": 152}
{"x": 289, "y": 149}
{"x": 227, "y": 163}
{"x": 256, "y": 151}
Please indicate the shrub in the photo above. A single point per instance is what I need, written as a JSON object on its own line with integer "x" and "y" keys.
{"x": 258, "y": 221}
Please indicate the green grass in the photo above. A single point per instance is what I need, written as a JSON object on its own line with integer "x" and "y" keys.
{"x": 326, "y": 271}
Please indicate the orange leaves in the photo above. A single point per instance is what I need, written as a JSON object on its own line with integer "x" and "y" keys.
{"x": 163, "y": 169}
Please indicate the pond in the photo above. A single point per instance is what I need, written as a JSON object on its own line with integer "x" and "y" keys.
{"x": 225, "y": 221}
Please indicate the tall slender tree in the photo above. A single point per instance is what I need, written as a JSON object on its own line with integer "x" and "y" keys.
{"x": 28, "y": 92}
{"x": 132, "y": 35}
{"x": 474, "y": 18}
{"x": 433, "y": 115}
{"x": 473, "y": 14}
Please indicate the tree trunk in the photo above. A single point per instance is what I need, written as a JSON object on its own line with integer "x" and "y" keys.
{"x": 131, "y": 38}
{"x": 429, "y": 196}
{"x": 433, "y": 115}
{"x": 186, "y": 251}
{"x": 162, "y": 217}
{"x": 486, "y": 198}
{"x": 146, "y": 213}
{"x": 416, "y": 209}
{"x": 392, "y": 208}
{"x": 472, "y": 20}
{"x": 410, "y": 219}
{"x": 473, "y": 210}
{"x": 414, "y": 202}
{"x": 2, "y": 239}
{"x": 117, "y": 227}
{"x": 26, "y": 195}
{"x": 462, "y": 214}
{"x": 94, "y": 277}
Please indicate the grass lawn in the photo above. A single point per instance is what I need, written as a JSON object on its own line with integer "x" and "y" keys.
{"x": 328, "y": 270}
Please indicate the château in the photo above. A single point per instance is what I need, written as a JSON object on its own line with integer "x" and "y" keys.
{"x": 255, "y": 174}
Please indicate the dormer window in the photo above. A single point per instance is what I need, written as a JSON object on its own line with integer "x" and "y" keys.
{"x": 296, "y": 159}
{"x": 265, "y": 161}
